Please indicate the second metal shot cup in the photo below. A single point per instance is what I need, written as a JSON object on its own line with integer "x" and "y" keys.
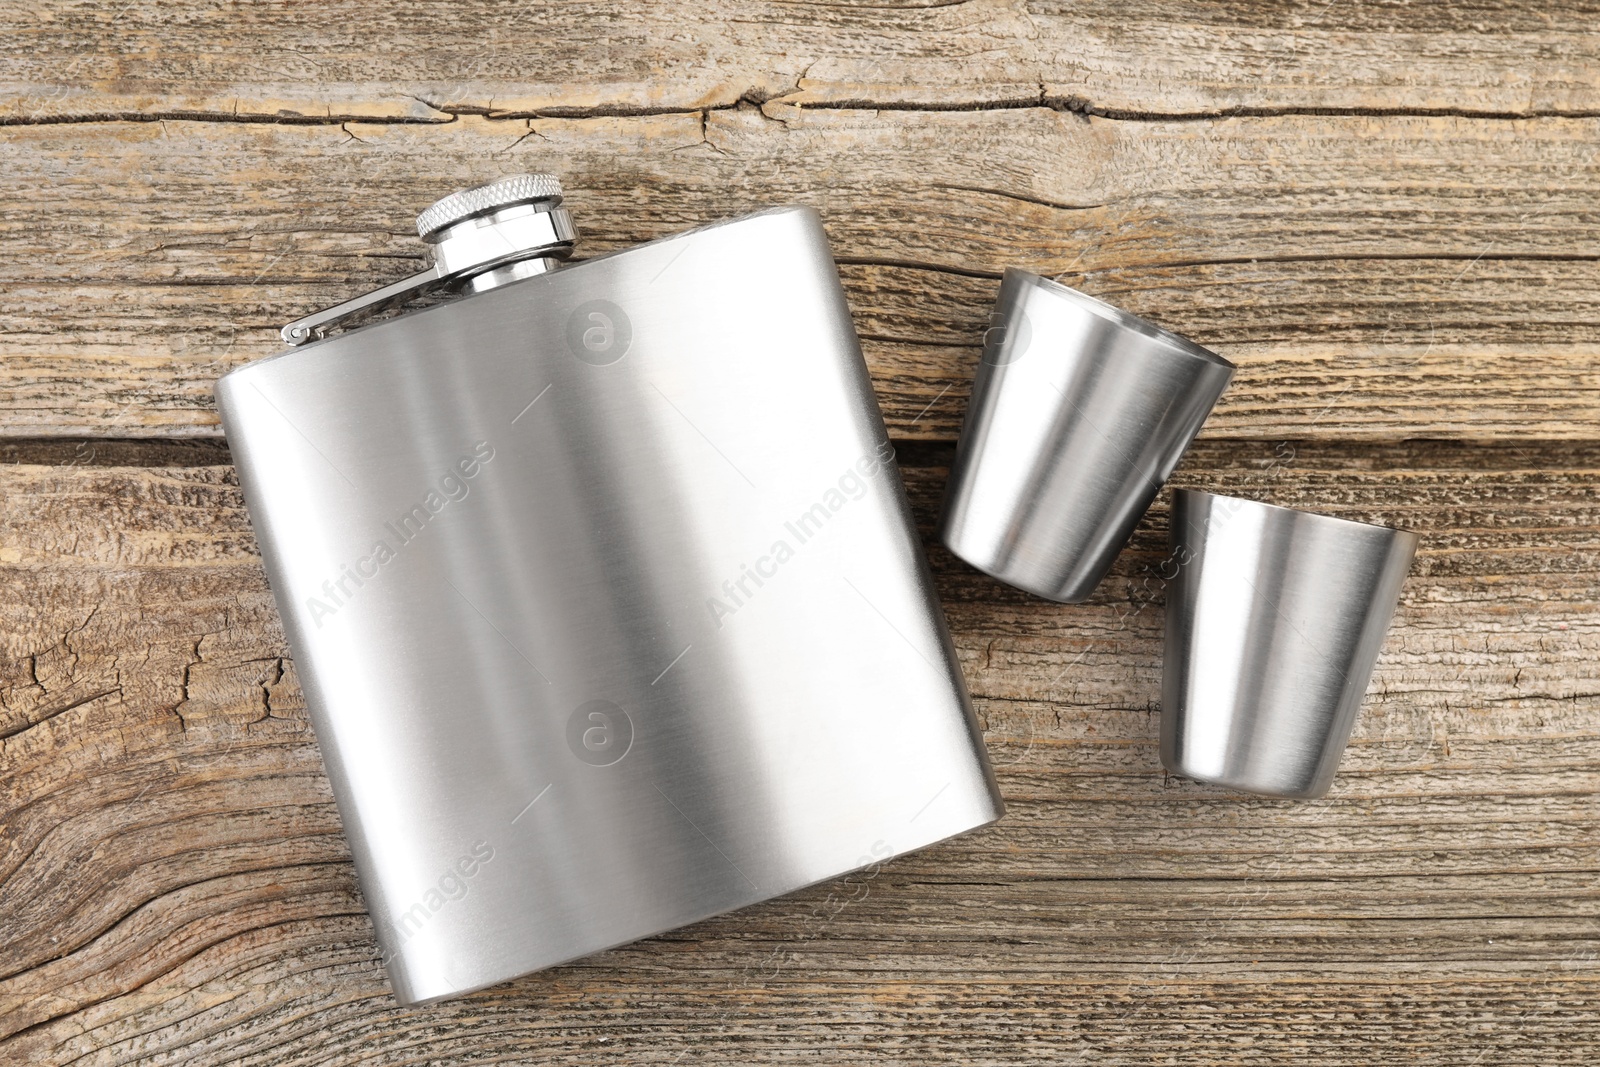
{"x": 1079, "y": 413}
{"x": 1274, "y": 622}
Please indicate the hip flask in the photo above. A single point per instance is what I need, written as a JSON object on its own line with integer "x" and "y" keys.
{"x": 602, "y": 587}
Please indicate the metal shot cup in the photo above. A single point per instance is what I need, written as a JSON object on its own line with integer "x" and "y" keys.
{"x": 1274, "y": 622}
{"x": 1079, "y": 414}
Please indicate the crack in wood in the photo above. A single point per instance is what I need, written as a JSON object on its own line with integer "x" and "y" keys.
{"x": 54, "y": 712}
{"x": 755, "y": 99}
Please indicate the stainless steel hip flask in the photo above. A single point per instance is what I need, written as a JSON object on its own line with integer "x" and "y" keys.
{"x": 592, "y": 648}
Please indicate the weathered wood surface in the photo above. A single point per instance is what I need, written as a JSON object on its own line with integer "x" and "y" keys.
{"x": 1155, "y": 57}
{"x": 176, "y": 888}
{"x": 1385, "y": 213}
{"x": 1448, "y": 287}
{"x": 1424, "y": 237}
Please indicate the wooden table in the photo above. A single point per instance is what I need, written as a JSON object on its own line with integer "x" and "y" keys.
{"x": 1386, "y": 214}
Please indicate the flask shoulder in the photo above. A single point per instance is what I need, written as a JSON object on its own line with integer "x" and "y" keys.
{"x": 769, "y": 232}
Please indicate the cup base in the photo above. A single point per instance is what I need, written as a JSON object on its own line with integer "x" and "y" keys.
{"x": 1245, "y": 785}
{"x": 1077, "y": 593}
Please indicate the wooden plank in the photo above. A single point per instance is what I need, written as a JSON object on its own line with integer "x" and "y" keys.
{"x": 409, "y": 60}
{"x": 174, "y": 886}
{"x": 1356, "y": 268}
{"x": 1383, "y": 212}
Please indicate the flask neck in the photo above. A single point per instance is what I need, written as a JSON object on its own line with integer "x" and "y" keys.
{"x": 479, "y": 239}
{"x": 503, "y": 244}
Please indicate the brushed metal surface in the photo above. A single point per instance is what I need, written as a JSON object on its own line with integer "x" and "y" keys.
{"x": 1274, "y": 623}
{"x": 592, "y": 648}
{"x": 1079, "y": 413}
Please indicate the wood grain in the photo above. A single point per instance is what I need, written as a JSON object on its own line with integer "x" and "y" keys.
{"x": 418, "y": 62}
{"x": 175, "y": 887}
{"x": 1383, "y": 212}
{"x": 1443, "y": 310}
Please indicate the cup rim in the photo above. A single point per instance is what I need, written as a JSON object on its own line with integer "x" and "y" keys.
{"x": 1125, "y": 319}
{"x": 1298, "y": 511}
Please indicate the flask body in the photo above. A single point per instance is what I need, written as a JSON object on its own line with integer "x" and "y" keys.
{"x": 607, "y": 604}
